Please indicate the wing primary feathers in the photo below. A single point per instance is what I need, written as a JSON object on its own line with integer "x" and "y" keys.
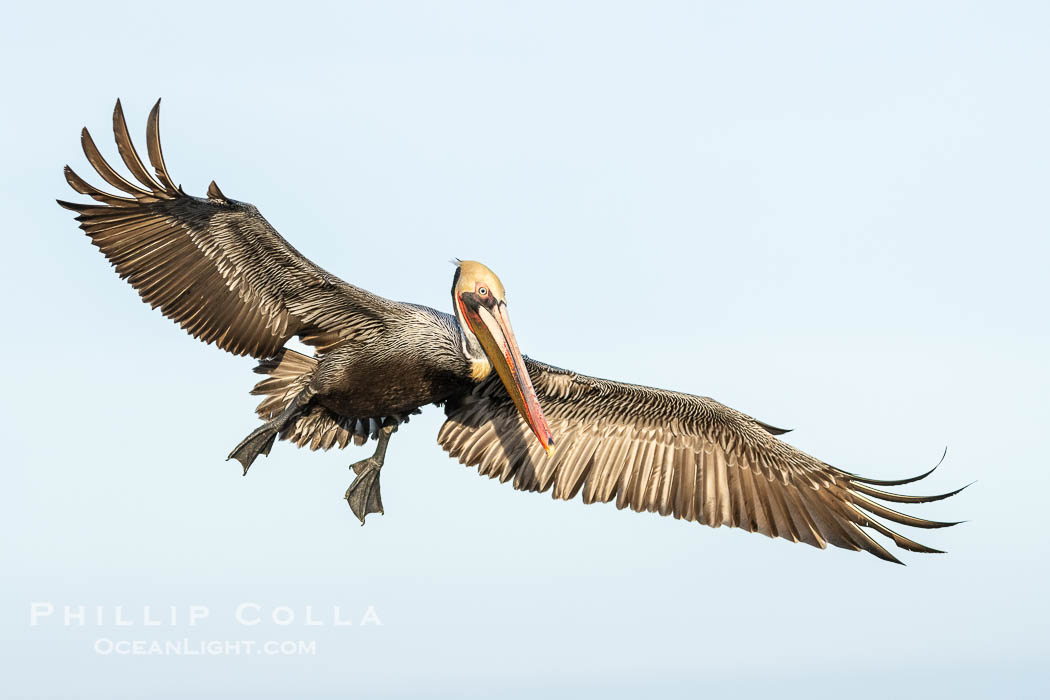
{"x": 871, "y": 546}
{"x": 153, "y": 149}
{"x": 78, "y": 208}
{"x": 898, "y": 482}
{"x": 898, "y": 517}
{"x": 899, "y": 498}
{"x": 106, "y": 171}
{"x": 128, "y": 153}
{"x": 898, "y": 539}
{"x": 81, "y": 186}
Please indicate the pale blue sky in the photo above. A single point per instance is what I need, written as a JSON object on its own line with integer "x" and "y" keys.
{"x": 830, "y": 215}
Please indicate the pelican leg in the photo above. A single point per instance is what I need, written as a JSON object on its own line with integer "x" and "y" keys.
{"x": 260, "y": 440}
{"x": 363, "y": 495}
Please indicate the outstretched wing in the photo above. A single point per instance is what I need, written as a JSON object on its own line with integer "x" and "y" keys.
{"x": 673, "y": 454}
{"x": 215, "y": 266}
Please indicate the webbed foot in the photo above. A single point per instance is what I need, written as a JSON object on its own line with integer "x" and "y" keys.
{"x": 257, "y": 443}
{"x": 363, "y": 495}
{"x": 260, "y": 440}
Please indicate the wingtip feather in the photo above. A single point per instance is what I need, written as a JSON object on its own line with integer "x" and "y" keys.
{"x": 153, "y": 148}
{"x": 129, "y": 155}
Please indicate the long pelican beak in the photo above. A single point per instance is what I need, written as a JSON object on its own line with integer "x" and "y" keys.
{"x": 492, "y": 328}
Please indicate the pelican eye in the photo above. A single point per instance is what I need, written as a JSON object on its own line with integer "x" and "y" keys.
{"x": 483, "y": 291}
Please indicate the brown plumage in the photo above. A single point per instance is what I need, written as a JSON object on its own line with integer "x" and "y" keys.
{"x": 674, "y": 454}
{"x": 219, "y": 270}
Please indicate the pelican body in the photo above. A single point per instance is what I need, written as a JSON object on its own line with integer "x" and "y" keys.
{"x": 216, "y": 267}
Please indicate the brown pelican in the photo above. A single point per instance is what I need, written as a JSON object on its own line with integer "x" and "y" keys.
{"x": 218, "y": 269}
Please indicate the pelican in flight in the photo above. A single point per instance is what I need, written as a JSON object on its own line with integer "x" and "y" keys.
{"x": 218, "y": 269}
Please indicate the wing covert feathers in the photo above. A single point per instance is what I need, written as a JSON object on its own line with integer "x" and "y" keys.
{"x": 215, "y": 266}
{"x": 686, "y": 456}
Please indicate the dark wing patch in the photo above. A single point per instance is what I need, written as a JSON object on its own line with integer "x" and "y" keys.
{"x": 673, "y": 454}
{"x": 215, "y": 266}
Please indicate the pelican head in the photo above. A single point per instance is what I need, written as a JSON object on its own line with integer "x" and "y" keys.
{"x": 488, "y": 341}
